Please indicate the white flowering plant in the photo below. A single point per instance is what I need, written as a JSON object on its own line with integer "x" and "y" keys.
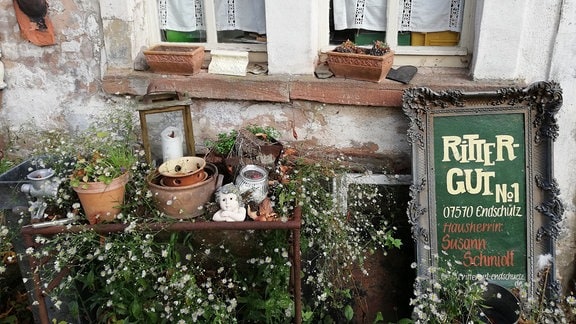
{"x": 444, "y": 295}
{"x": 105, "y": 150}
{"x": 7, "y": 254}
{"x": 154, "y": 277}
{"x": 335, "y": 243}
{"x": 545, "y": 305}
{"x": 143, "y": 275}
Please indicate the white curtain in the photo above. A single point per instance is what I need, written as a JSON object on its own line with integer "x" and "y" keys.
{"x": 188, "y": 15}
{"x": 246, "y": 15}
{"x": 415, "y": 15}
{"x": 431, "y": 15}
{"x": 181, "y": 15}
{"x": 359, "y": 14}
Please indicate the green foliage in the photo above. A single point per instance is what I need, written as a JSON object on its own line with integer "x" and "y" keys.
{"x": 224, "y": 144}
{"x": 269, "y": 132}
{"x": 105, "y": 149}
{"x": 445, "y": 296}
{"x": 6, "y": 165}
{"x": 218, "y": 277}
{"x": 119, "y": 277}
{"x": 14, "y": 306}
{"x": 6, "y": 248}
{"x": 334, "y": 242}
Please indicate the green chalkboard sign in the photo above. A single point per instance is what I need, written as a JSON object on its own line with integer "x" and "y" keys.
{"x": 483, "y": 194}
{"x": 480, "y": 182}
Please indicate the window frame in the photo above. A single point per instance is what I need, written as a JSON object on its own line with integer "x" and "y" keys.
{"x": 445, "y": 56}
{"x": 211, "y": 33}
{"x": 422, "y": 56}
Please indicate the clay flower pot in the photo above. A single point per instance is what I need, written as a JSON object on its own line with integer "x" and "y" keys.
{"x": 360, "y": 66}
{"x": 175, "y": 59}
{"x": 185, "y": 201}
{"x": 184, "y": 171}
{"x": 100, "y": 201}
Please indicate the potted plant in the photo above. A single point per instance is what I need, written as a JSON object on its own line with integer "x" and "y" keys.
{"x": 227, "y": 141}
{"x": 366, "y": 64}
{"x": 95, "y": 163}
{"x": 253, "y": 144}
{"x": 99, "y": 179}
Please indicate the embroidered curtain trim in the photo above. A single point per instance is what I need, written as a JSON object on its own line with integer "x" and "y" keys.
{"x": 188, "y": 15}
{"x": 431, "y": 15}
{"x": 414, "y": 15}
{"x": 181, "y": 15}
{"x": 246, "y": 15}
{"x": 359, "y": 14}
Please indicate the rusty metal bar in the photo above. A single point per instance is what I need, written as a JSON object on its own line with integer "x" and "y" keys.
{"x": 168, "y": 227}
{"x": 296, "y": 267}
{"x": 42, "y": 310}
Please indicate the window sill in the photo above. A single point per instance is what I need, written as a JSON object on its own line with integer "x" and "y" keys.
{"x": 287, "y": 88}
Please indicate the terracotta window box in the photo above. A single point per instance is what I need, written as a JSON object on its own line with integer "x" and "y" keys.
{"x": 360, "y": 66}
{"x": 175, "y": 59}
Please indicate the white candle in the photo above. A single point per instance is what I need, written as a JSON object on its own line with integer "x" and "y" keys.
{"x": 171, "y": 143}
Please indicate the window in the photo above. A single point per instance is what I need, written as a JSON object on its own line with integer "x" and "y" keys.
{"x": 421, "y": 23}
{"x": 216, "y": 24}
{"x": 241, "y": 25}
{"x": 422, "y": 32}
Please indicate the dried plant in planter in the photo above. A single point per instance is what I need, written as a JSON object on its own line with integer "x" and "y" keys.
{"x": 367, "y": 64}
{"x": 378, "y": 48}
{"x": 252, "y": 144}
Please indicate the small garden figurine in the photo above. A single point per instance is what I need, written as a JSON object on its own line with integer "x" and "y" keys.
{"x": 231, "y": 207}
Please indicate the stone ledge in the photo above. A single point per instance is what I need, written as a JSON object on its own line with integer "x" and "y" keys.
{"x": 286, "y": 88}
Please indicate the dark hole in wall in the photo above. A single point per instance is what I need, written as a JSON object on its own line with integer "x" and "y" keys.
{"x": 389, "y": 286}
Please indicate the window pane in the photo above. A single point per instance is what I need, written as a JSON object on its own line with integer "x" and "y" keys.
{"x": 182, "y": 20}
{"x": 240, "y": 21}
{"x": 361, "y": 21}
{"x": 432, "y": 22}
{"x": 422, "y": 22}
{"x": 237, "y": 21}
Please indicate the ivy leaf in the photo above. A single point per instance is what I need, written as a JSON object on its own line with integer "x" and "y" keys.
{"x": 136, "y": 308}
{"x": 348, "y": 312}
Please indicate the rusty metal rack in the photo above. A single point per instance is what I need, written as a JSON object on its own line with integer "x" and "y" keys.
{"x": 29, "y": 233}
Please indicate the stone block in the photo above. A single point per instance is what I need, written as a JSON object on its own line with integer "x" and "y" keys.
{"x": 228, "y": 62}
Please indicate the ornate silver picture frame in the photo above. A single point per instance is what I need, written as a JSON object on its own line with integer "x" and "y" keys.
{"x": 483, "y": 193}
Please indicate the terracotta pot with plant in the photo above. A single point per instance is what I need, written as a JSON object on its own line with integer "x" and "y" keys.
{"x": 366, "y": 64}
{"x": 100, "y": 175}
